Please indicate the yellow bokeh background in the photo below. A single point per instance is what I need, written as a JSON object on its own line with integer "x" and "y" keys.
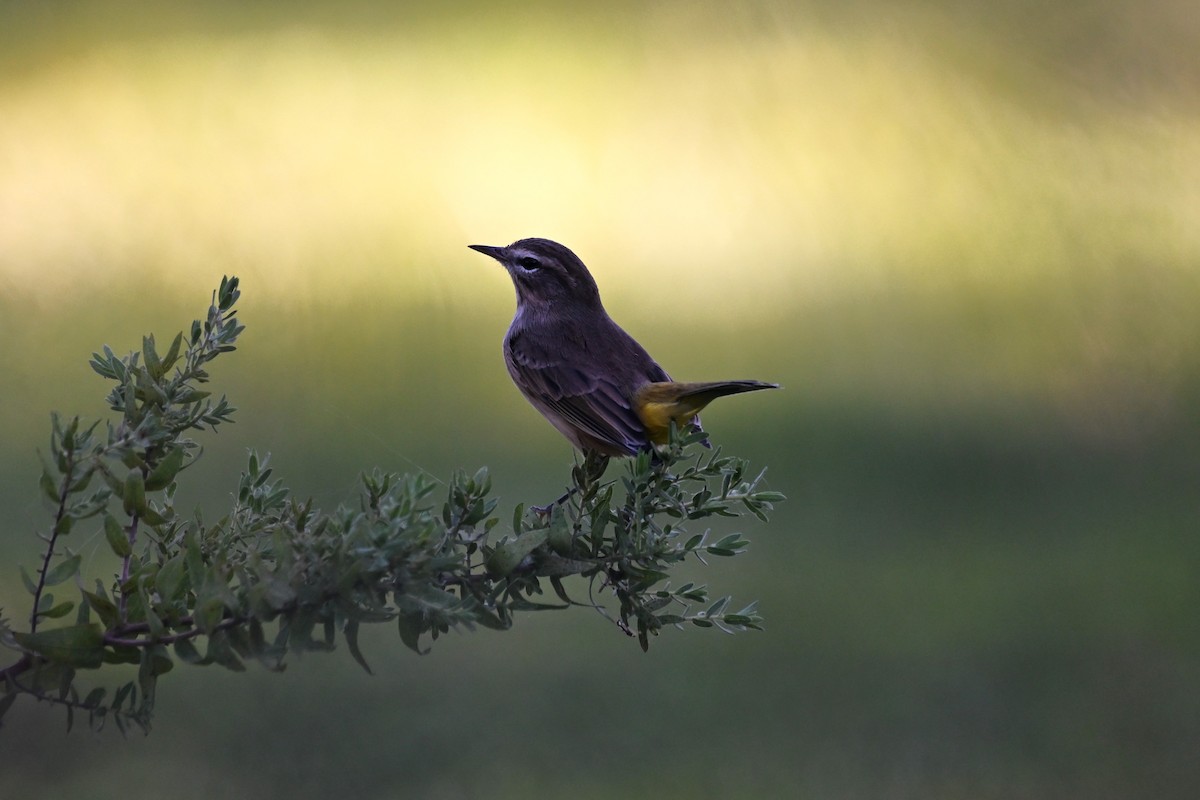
{"x": 965, "y": 237}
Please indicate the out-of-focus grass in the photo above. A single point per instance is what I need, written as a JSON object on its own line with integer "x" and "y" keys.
{"x": 963, "y": 241}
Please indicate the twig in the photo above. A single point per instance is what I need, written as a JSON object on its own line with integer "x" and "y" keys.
{"x": 124, "y": 601}
{"x": 115, "y": 640}
{"x": 63, "y": 493}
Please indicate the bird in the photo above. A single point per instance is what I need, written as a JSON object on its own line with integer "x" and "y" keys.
{"x": 589, "y": 378}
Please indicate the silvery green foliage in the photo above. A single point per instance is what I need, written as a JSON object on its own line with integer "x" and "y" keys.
{"x": 276, "y": 576}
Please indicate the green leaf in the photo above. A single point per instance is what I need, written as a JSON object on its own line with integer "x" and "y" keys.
{"x": 410, "y": 632}
{"x": 269, "y": 655}
{"x": 95, "y": 697}
{"x": 196, "y": 569}
{"x": 559, "y": 536}
{"x": 74, "y": 645}
{"x": 160, "y": 660}
{"x": 169, "y": 580}
{"x": 728, "y": 545}
{"x": 508, "y": 556}
{"x": 186, "y": 652}
{"x": 350, "y": 630}
{"x": 151, "y": 516}
{"x": 102, "y": 605}
{"x": 120, "y": 696}
{"x": 717, "y": 607}
{"x": 489, "y": 619}
{"x": 30, "y": 586}
{"x": 60, "y": 610}
{"x": 518, "y": 603}
{"x": 209, "y": 612}
{"x": 559, "y": 589}
{"x": 239, "y": 641}
{"x": 48, "y": 487}
{"x": 63, "y": 570}
{"x": 101, "y": 366}
{"x": 152, "y": 619}
{"x": 173, "y": 352}
{"x": 481, "y": 481}
{"x": 220, "y": 652}
{"x": 228, "y": 292}
{"x": 134, "y": 496}
{"x": 64, "y": 524}
{"x": 154, "y": 662}
{"x": 117, "y": 486}
{"x": 122, "y": 654}
{"x": 654, "y": 604}
{"x": 150, "y": 355}
{"x": 750, "y": 610}
{"x": 192, "y": 396}
{"x": 118, "y": 540}
{"x": 166, "y": 470}
{"x": 82, "y": 481}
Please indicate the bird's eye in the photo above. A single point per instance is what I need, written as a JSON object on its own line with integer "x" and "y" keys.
{"x": 529, "y": 262}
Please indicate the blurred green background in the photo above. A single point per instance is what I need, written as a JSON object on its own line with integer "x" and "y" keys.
{"x": 964, "y": 236}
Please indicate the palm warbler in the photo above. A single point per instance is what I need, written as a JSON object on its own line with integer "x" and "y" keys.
{"x": 587, "y": 376}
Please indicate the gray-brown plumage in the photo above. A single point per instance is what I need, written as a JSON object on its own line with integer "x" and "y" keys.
{"x": 586, "y": 375}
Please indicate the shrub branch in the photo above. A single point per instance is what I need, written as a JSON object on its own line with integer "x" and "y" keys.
{"x": 277, "y": 576}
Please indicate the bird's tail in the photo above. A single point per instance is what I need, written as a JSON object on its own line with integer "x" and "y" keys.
{"x": 701, "y": 394}
{"x": 660, "y": 404}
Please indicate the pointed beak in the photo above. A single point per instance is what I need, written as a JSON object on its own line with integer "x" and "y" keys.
{"x": 488, "y": 250}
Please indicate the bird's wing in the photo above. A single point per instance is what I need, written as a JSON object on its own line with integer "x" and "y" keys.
{"x": 586, "y": 399}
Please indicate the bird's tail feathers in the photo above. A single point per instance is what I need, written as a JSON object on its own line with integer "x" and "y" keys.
{"x": 705, "y": 392}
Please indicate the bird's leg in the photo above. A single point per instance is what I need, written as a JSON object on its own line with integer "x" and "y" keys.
{"x": 544, "y": 511}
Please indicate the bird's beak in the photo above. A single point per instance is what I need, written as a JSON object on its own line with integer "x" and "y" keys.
{"x": 488, "y": 250}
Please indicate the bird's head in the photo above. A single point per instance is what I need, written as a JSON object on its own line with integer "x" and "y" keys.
{"x": 545, "y": 273}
